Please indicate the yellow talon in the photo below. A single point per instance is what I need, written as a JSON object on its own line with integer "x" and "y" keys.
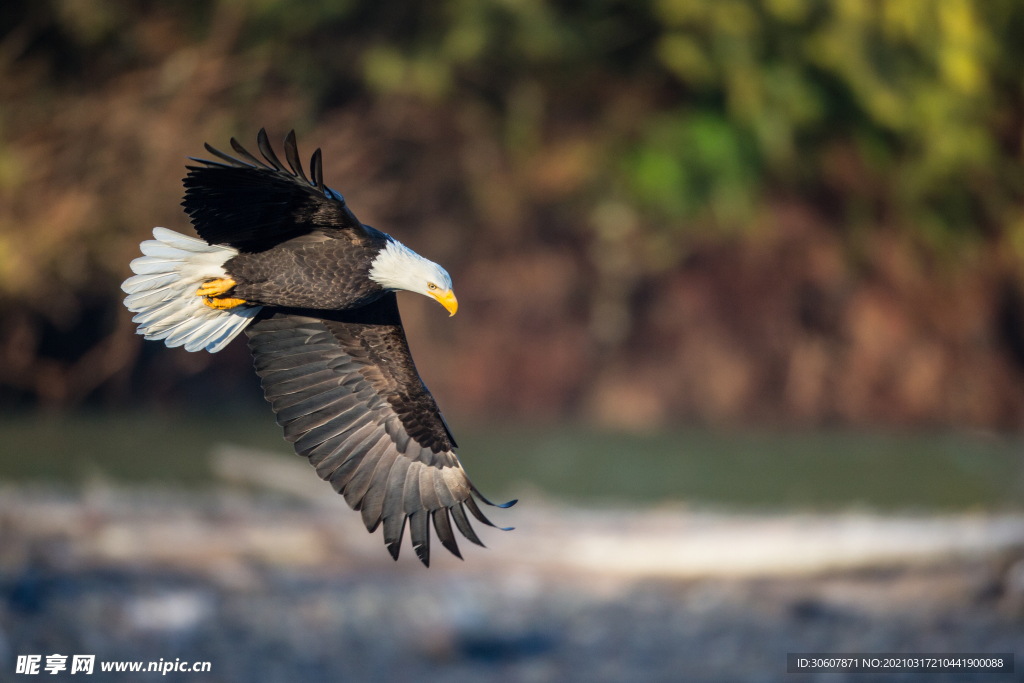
{"x": 221, "y": 304}
{"x": 216, "y": 288}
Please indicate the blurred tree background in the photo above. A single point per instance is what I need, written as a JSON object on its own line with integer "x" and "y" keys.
{"x": 798, "y": 212}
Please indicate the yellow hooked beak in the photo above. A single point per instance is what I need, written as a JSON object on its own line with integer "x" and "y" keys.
{"x": 447, "y": 299}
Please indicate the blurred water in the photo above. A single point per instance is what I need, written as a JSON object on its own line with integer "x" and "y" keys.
{"x": 821, "y": 470}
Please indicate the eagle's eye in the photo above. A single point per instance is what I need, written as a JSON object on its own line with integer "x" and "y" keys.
{"x": 431, "y": 286}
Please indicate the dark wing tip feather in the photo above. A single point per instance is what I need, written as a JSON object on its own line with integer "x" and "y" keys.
{"x": 420, "y": 533}
{"x": 443, "y": 528}
{"x": 461, "y": 521}
{"x": 267, "y": 151}
{"x": 206, "y": 163}
{"x": 471, "y": 504}
{"x": 244, "y": 153}
{"x": 316, "y": 169}
{"x": 394, "y": 529}
{"x": 235, "y": 163}
{"x": 291, "y": 153}
{"x": 484, "y": 500}
{"x": 247, "y": 160}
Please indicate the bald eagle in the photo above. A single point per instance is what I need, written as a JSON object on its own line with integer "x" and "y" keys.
{"x": 284, "y": 258}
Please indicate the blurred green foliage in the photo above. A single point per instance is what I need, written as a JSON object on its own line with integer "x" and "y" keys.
{"x": 907, "y": 113}
{"x": 585, "y": 146}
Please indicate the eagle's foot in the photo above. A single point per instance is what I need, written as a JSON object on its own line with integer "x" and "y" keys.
{"x": 216, "y": 287}
{"x": 223, "y": 304}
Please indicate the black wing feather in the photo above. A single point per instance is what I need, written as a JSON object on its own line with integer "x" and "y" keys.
{"x": 372, "y": 504}
{"x": 252, "y": 205}
{"x": 475, "y": 510}
{"x": 267, "y": 151}
{"x": 393, "y": 493}
{"x": 233, "y": 162}
{"x": 291, "y": 153}
{"x": 461, "y": 521}
{"x": 443, "y": 527}
{"x": 347, "y": 393}
{"x": 359, "y": 483}
{"x": 316, "y": 169}
{"x": 394, "y": 527}
{"x": 244, "y": 153}
{"x": 419, "y": 530}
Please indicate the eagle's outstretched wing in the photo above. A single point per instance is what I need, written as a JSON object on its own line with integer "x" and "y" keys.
{"x": 252, "y": 205}
{"x": 346, "y": 391}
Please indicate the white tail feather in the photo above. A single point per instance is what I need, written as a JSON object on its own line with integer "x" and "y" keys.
{"x": 163, "y": 293}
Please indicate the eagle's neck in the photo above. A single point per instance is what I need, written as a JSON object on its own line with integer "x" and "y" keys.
{"x": 397, "y": 267}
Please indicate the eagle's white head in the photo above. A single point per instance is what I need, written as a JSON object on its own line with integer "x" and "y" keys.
{"x": 399, "y": 267}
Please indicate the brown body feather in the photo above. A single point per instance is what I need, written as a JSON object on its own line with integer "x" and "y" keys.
{"x": 312, "y": 271}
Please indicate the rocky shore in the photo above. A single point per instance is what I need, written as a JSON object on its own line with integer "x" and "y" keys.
{"x": 274, "y": 586}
